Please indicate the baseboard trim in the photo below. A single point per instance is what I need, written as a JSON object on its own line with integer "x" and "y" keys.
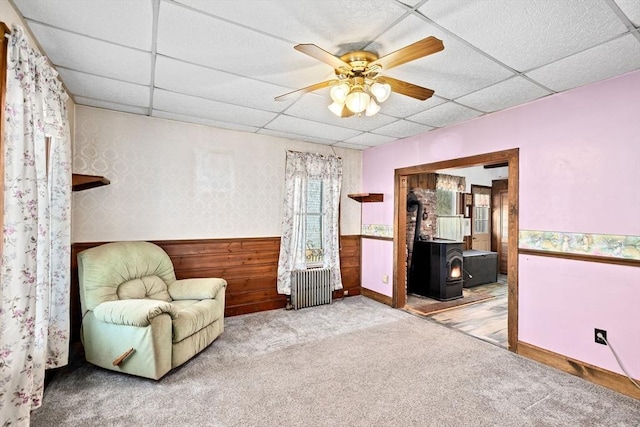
{"x": 594, "y": 374}
{"x": 384, "y": 299}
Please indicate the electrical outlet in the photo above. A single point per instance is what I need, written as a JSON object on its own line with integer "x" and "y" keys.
{"x": 346, "y": 292}
{"x": 598, "y": 339}
{"x": 385, "y": 278}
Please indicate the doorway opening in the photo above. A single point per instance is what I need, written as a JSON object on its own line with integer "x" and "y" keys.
{"x": 484, "y": 218}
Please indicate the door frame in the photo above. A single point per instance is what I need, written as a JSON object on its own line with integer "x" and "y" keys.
{"x": 508, "y": 157}
{"x": 498, "y": 187}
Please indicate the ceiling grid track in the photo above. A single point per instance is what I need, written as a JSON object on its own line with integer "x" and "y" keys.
{"x": 154, "y": 49}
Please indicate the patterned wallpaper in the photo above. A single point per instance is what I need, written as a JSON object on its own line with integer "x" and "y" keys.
{"x": 172, "y": 180}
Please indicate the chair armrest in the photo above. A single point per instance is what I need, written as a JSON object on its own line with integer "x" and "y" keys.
{"x": 205, "y": 288}
{"x": 133, "y": 312}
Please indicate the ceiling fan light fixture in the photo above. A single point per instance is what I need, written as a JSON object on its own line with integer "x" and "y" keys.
{"x": 381, "y": 91}
{"x": 357, "y": 101}
{"x": 372, "y": 108}
{"x": 357, "y": 86}
{"x": 339, "y": 92}
{"x": 336, "y": 108}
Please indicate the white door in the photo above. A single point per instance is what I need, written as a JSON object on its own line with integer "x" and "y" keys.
{"x": 481, "y": 218}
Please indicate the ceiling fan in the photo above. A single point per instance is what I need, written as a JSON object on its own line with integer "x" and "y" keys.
{"x": 358, "y": 86}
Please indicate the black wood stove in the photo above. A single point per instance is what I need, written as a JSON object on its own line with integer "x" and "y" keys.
{"x": 436, "y": 269}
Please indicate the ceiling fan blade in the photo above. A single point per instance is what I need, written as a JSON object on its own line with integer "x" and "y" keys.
{"x": 322, "y": 55}
{"x": 406, "y": 88}
{"x": 311, "y": 88}
{"x": 408, "y": 53}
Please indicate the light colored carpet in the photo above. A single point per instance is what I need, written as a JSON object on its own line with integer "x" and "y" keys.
{"x": 353, "y": 363}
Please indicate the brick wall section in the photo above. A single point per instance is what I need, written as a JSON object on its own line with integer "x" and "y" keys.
{"x": 428, "y": 225}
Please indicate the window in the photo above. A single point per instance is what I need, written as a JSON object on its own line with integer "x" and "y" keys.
{"x": 481, "y": 204}
{"x": 310, "y": 232}
{"x": 313, "y": 223}
{"x": 446, "y": 203}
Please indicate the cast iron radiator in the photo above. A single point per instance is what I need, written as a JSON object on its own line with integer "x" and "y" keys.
{"x": 310, "y": 287}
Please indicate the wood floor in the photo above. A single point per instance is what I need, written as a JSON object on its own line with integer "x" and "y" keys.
{"x": 486, "y": 319}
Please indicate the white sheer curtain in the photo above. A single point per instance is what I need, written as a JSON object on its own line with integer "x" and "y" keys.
{"x": 450, "y": 227}
{"x": 301, "y": 167}
{"x": 34, "y": 285}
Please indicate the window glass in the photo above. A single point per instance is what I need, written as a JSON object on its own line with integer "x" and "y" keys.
{"x": 313, "y": 220}
{"x": 445, "y": 203}
{"x": 481, "y": 217}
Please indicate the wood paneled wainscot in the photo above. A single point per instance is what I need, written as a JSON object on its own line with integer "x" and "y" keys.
{"x": 248, "y": 265}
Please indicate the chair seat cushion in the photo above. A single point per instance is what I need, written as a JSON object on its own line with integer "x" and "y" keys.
{"x": 193, "y": 315}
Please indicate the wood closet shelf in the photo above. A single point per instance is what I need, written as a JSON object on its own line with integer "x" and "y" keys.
{"x": 81, "y": 182}
{"x": 367, "y": 197}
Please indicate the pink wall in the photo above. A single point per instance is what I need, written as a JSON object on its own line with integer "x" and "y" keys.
{"x": 579, "y": 157}
{"x": 379, "y": 256}
{"x": 559, "y": 309}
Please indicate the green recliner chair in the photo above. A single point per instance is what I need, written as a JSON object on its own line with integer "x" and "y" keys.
{"x": 136, "y": 317}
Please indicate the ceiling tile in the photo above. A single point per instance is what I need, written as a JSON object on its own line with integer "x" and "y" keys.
{"x": 631, "y": 8}
{"x": 221, "y": 63}
{"x": 182, "y": 77}
{"x": 370, "y": 139}
{"x": 525, "y": 36}
{"x": 452, "y": 72}
{"x": 337, "y": 25}
{"x": 402, "y": 106}
{"x": 201, "y": 121}
{"x": 402, "y": 129}
{"x": 103, "y": 19}
{"x": 93, "y": 56}
{"x": 309, "y": 128}
{"x": 295, "y": 137}
{"x": 508, "y": 93}
{"x": 412, "y": 3}
{"x": 80, "y": 100}
{"x": 601, "y": 62}
{"x": 109, "y": 90}
{"x": 313, "y": 106}
{"x": 445, "y": 115}
{"x": 207, "y": 109}
{"x": 201, "y": 39}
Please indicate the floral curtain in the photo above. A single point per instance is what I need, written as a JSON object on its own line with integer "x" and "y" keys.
{"x": 34, "y": 273}
{"x": 300, "y": 167}
{"x": 450, "y": 183}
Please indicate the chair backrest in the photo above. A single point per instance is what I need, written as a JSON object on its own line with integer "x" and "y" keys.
{"x": 123, "y": 270}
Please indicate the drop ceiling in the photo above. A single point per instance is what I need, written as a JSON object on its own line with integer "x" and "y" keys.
{"x": 221, "y": 63}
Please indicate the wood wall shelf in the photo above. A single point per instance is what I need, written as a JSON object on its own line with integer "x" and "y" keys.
{"x": 367, "y": 197}
{"x": 81, "y": 182}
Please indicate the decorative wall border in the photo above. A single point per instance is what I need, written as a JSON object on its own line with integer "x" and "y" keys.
{"x": 589, "y": 244}
{"x": 610, "y": 248}
{"x": 377, "y": 230}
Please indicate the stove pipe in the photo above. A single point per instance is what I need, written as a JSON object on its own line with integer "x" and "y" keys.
{"x": 414, "y": 203}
